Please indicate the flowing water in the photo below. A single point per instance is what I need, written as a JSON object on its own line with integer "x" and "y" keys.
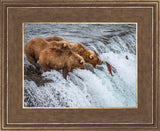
{"x": 113, "y": 43}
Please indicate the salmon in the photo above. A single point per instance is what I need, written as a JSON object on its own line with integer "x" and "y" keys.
{"x": 109, "y": 69}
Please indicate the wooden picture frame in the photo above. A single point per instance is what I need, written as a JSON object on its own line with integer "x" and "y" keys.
{"x": 13, "y": 13}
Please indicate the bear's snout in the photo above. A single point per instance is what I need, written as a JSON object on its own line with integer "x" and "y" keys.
{"x": 100, "y": 62}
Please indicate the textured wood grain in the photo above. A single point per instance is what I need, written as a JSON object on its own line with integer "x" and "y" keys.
{"x": 76, "y": 1}
{"x": 1, "y": 36}
{"x": 144, "y": 117}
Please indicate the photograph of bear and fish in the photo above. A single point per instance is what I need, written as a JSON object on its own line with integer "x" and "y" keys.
{"x": 79, "y": 65}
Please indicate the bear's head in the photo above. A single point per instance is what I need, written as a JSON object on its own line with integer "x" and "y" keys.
{"x": 82, "y": 64}
{"x": 60, "y": 44}
{"x": 92, "y": 59}
{"x": 79, "y": 62}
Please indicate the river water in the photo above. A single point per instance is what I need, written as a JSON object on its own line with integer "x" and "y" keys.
{"x": 113, "y": 43}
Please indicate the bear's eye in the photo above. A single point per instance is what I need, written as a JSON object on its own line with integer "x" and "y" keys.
{"x": 91, "y": 56}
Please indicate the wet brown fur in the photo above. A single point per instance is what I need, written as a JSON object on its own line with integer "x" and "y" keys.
{"x": 36, "y": 45}
{"x": 54, "y": 58}
{"x": 82, "y": 51}
{"x": 53, "y": 38}
{"x": 79, "y": 48}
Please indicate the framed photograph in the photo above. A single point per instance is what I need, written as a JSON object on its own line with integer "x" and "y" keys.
{"x": 79, "y": 65}
{"x": 102, "y": 81}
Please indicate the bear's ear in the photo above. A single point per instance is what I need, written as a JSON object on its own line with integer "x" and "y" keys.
{"x": 81, "y": 62}
{"x": 64, "y": 45}
{"x": 90, "y": 51}
{"x": 91, "y": 56}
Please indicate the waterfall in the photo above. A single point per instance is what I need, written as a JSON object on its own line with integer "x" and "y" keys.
{"x": 91, "y": 87}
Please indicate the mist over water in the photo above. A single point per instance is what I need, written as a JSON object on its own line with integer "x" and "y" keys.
{"x": 113, "y": 43}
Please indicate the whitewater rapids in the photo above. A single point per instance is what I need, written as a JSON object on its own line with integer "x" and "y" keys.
{"x": 113, "y": 43}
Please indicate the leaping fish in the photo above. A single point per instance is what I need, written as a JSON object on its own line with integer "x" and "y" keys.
{"x": 109, "y": 69}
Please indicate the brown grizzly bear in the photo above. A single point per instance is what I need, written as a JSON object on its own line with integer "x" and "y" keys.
{"x": 53, "y": 38}
{"x": 34, "y": 46}
{"x": 54, "y": 58}
{"x": 88, "y": 55}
